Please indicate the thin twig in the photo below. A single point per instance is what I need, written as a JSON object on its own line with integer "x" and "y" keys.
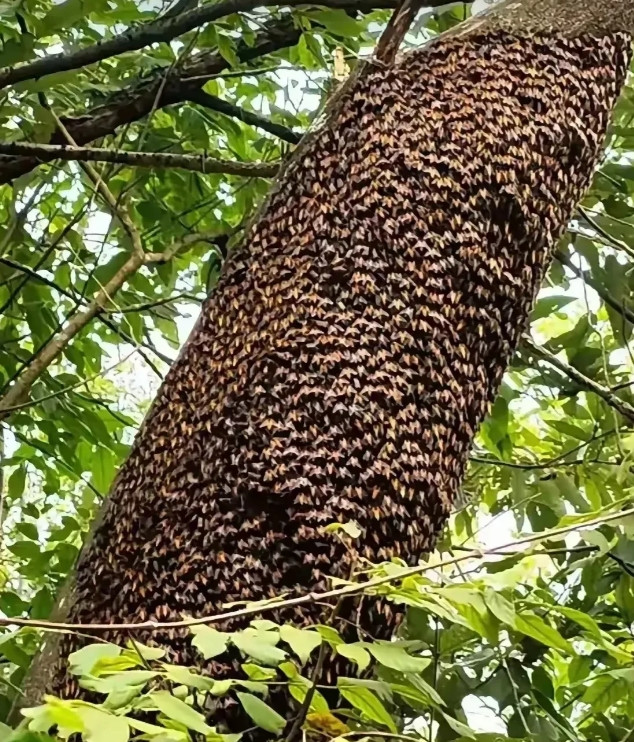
{"x": 18, "y": 392}
{"x": 117, "y": 209}
{"x": 213, "y": 103}
{"x": 619, "y": 244}
{"x": 312, "y": 597}
{"x": 196, "y": 163}
{"x": 607, "y": 298}
{"x": 620, "y": 405}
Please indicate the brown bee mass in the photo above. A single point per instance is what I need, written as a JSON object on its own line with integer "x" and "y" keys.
{"x": 341, "y": 368}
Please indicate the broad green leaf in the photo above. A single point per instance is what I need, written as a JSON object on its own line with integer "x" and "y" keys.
{"x": 101, "y": 726}
{"x": 261, "y": 713}
{"x": 260, "y": 645}
{"x": 184, "y": 676}
{"x": 365, "y": 701}
{"x": 396, "y": 657}
{"x": 500, "y": 607}
{"x": 604, "y": 692}
{"x": 302, "y": 641}
{"x": 83, "y": 660}
{"x": 534, "y": 626}
{"x": 356, "y": 653}
{"x": 118, "y": 681}
{"x": 209, "y": 642}
{"x": 338, "y": 22}
{"x": 255, "y": 672}
{"x": 179, "y": 711}
{"x": 222, "y": 687}
{"x": 162, "y": 733}
{"x": 458, "y": 726}
{"x": 137, "y": 650}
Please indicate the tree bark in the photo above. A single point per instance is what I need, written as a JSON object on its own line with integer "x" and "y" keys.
{"x": 354, "y": 342}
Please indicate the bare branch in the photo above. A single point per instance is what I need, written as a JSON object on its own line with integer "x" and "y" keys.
{"x": 391, "y": 39}
{"x": 117, "y": 209}
{"x": 248, "y": 117}
{"x": 197, "y": 163}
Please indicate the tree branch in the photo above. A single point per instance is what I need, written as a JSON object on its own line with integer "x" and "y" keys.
{"x": 197, "y": 163}
{"x": 213, "y": 103}
{"x": 619, "y": 244}
{"x": 19, "y": 391}
{"x": 117, "y": 209}
{"x": 32, "y": 273}
{"x": 620, "y": 405}
{"x": 400, "y": 21}
{"x": 160, "y": 30}
{"x": 141, "y": 97}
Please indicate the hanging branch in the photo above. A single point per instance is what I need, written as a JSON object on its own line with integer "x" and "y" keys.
{"x": 196, "y": 163}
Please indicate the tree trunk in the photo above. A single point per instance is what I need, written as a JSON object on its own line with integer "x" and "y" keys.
{"x": 343, "y": 364}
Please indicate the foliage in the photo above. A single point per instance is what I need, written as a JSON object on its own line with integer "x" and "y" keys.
{"x": 533, "y": 644}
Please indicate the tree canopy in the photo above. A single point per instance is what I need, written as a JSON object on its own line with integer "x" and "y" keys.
{"x": 136, "y": 142}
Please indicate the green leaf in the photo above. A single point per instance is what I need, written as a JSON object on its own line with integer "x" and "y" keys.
{"x": 395, "y": 657}
{"x": 596, "y": 538}
{"x": 184, "y": 676}
{"x": 583, "y": 619}
{"x": 179, "y": 711}
{"x": 163, "y": 734}
{"x": 548, "y": 305}
{"x": 500, "y": 607}
{"x": 83, "y": 660}
{"x": 356, "y": 653}
{"x": 101, "y": 726}
{"x": 137, "y": 650}
{"x": 351, "y": 528}
{"x": 261, "y": 713}
{"x": 209, "y": 642}
{"x": 458, "y": 726}
{"x": 255, "y": 672}
{"x": 119, "y": 681}
{"x": 16, "y": 482}
{"x": 536, "y": 627}
{"x": 338, "y": 22}
{"x": 303, "y": 642}
{"x": 222, "y": 687}
{"x": 365, "y": 701}
{"x": 28, "y": 529}
{"x": 329, "y": 635}
{"x": 604, "y": 692}
{"x": 260, "y": 645}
